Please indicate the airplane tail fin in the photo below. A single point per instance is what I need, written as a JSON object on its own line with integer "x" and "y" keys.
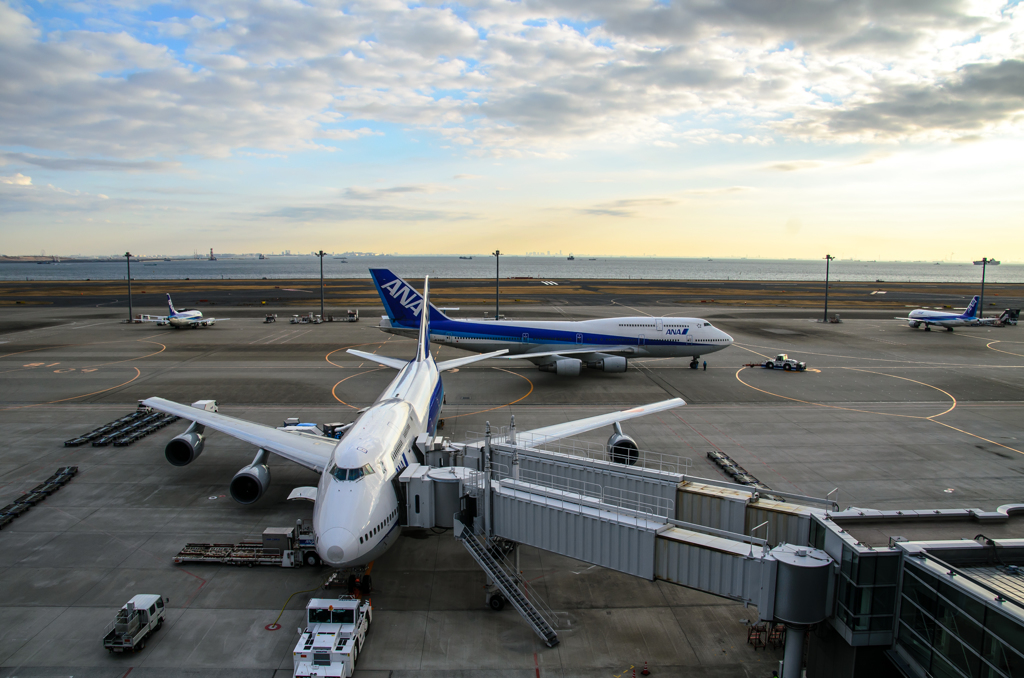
{"x": 170, "y": 305}
{"x": 972, "y": 309}
{"x": 401, "y": 302}
{"x": 423, "y": 342}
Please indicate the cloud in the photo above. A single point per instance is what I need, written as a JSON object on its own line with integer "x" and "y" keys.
{"x": 18, "y": 179}
{"x": 333, "y": 213}
{"x": 360, "y": 193}
{"x": 625, "y": 208}
{"x": 794, "y": 166}
{"x": 80, "y": 164}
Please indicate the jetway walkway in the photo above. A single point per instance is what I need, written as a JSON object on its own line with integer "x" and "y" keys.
{"x": 650, "y": 519}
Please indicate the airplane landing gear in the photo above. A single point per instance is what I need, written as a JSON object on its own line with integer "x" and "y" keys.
{"x": 693, "y": 363}
{"x": 927, "y": 328}
{"x": 949, "y": 329}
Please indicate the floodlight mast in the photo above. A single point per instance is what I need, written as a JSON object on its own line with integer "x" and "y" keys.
{"x": 497, "y": 267}
{"x": 128, "y": 259}
{"x": 828, "y": 260}
{"x": 321, "y": 255}
{"x": 984, "y": 262}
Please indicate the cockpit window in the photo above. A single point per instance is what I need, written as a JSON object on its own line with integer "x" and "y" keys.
{"x": 707, "y": 324}
{"x": 350, "y": 473}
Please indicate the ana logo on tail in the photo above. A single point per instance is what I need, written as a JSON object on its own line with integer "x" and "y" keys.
{"x": 404, "y": 295}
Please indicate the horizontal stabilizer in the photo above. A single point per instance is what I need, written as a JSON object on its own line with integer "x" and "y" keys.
{"x": 459, "y": 362}
{"x": 396, "y": 363}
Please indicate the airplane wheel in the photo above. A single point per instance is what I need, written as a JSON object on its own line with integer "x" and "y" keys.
{"x": 927, "y": 328}
{"x": 311, "y": 559}
{"x": 351, "y": 583}
{"x": 497, "y": 602}
{"x": 949, "y": 329}
{"x": 693, "y": 365}
{"x": 366, "y": 585}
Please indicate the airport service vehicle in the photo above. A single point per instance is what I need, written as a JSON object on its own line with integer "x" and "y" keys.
{"x": 136, "y": 620}
{"x": 185, "y": 318}
{"x": 356, "y": 501}
{"x": 562, "y": 347}
{"x": 353, "y": 315}
{"x": 271, "y": 318}
{"x": 784, "y": 362}
{"x": 334, "y": 635}
{"x": 922, "y": 316}
{"x": 279, "y": 547}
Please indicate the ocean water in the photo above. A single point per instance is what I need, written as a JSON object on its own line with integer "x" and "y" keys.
{"x": 277, "y": 267}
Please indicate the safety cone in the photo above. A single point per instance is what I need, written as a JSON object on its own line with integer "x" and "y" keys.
{"x": 646, "y": 671}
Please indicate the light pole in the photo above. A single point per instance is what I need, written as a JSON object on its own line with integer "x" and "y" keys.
{"x": 985, "y": 261}
{"x": 128, "y": 259}
{"x": 497, "y": 267}
{"x": 828, "y": 260}
{"x": 321, "y": 255}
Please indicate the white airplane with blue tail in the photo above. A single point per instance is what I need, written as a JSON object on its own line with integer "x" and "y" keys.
{"x": 559, "y": 346}
{"x": 356, "y": 506}
{"x": 923, "y": 316}
{"x": 179, "y": 319}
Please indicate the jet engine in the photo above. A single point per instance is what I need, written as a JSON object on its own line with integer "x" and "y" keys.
{"x": 621, "y": 448}
{"x": 565, "y": 367}
{"x": 251, "y": 481}
{"x": 184, "y": 449}
{"x": 609, "y": 363}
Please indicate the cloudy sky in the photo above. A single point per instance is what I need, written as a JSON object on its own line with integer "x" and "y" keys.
{"x": 877, "y": 129}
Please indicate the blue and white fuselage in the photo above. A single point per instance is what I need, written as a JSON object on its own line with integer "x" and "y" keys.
{"x": 922, "y": 316}
{"x": 603, "y": 344}
{"x": 179, "y": 319}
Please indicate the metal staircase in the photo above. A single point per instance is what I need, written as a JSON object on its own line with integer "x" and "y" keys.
{"x": 506, "y": 584}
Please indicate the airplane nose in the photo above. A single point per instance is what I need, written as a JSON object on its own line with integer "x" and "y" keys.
{"x": 336, "y": 545}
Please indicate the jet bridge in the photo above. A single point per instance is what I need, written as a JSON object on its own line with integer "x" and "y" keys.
{"x": 650, "y": 519}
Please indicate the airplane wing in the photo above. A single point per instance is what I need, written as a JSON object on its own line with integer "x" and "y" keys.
{"x": 923, "y": 321}
{"x": 547, "y": 434}
{"x": 395, "y": 363}
{"x": 613, "y": 350}
{"x": 459, "y": 362}
{"x": 153, "y": 318}
{"x": 313, "y": 452}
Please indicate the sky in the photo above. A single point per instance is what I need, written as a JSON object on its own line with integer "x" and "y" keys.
{"x": 872, "y": 129}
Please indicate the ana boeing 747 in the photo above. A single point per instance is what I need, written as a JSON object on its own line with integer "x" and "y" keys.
{"x": 356, "y": 507}
{"x": 179, "y": 319}
{"x": 559, "y": 346}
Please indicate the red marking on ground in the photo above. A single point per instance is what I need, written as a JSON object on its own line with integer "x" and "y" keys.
{"x": 536, "y": 665}
{"x": 128, "y": 671}
{"x": 196, "y": 592}
{"x": 272, "y": 627}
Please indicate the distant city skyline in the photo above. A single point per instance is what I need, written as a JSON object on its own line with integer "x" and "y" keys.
{"x": 776, "y": 129}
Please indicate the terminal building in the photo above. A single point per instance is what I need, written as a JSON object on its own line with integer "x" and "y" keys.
{"x": 856, "y": 592}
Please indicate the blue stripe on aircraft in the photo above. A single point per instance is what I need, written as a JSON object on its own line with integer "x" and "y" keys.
{"x": 514, "y": 335}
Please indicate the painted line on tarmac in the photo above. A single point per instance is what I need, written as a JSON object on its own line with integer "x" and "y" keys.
{"x": 498, "y": 407}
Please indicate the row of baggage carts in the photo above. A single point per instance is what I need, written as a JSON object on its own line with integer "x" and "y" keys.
{"x": 126, "y": 430}
{"x": 37, "y": 494}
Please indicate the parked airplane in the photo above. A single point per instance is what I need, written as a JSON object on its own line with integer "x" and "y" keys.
{"x": 558, "y": 346}
{"x": 928, "y": 318}
{"x": 356, "y": 509}
{"x": 183, "y": 318}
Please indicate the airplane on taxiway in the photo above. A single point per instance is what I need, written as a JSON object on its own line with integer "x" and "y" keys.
{"x": 923, "y": 316}
{"x": 183, "y": 318}
{"x": 560, "y": 346}
{"x": 356, "y": 506}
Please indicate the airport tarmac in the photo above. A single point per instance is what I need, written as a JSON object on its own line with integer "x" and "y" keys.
{"x": 892, "y": 417}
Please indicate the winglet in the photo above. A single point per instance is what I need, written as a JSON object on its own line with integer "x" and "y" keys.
{"x": 423, "y": 345}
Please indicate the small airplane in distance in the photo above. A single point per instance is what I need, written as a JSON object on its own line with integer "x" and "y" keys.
{"x": 356, "y": 505}
{"x": 179, "y": 319}
{"x": 921, "y": 316}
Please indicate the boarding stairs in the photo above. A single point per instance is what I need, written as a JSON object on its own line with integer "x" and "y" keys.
{"x": 506, "y": 583}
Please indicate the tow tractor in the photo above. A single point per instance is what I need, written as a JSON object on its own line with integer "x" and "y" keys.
{"x": 279, "y": 547}
{"x": 140, "y": 617}
{"x": 781, "y": 362}
{"x": 334, "y": 635}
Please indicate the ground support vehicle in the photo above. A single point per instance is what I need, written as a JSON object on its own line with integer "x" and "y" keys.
{"x": 334, "y": 635}
{"x": 271, "y": 318}
{"x": 784, "y": 362}
{"x": 279, "y": 547}
{"x": 351, "y": 579}
{"x": 353, "y": 315}
{"x": 139, "y": 618}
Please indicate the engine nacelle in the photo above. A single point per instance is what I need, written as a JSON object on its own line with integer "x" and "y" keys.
{"x": 185, "y": 449}
{"x": 566, "y": 367}
{"x": 621, "y": 448}
{"x": 611, "y": 363}
{"x": 251, "y": 481}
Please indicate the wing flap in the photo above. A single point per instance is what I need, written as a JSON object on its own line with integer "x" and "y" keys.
{"x": 303, "y": 450}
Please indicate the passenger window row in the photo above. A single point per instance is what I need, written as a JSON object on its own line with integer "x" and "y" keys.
{"x": 380, "y": 526}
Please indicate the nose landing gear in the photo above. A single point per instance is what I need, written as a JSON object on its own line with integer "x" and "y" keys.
{"x": 695, "y": 362}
